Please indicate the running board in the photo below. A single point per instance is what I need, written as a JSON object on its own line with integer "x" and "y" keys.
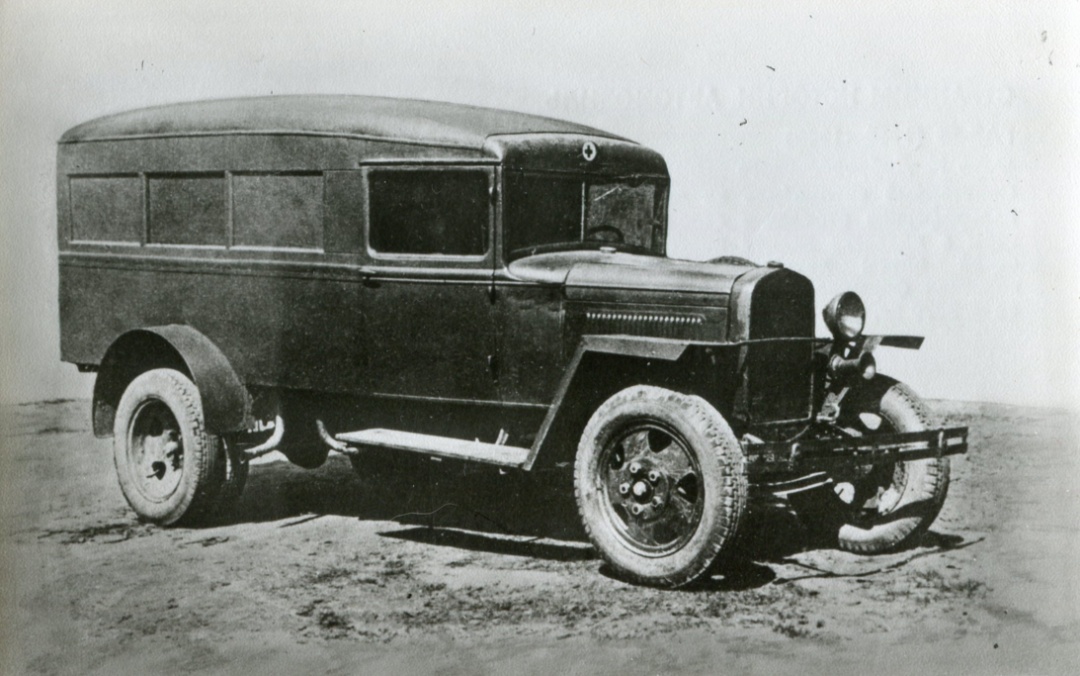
{"x": 442, "y": 447}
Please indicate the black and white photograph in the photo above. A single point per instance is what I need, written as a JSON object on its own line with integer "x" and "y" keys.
{"x": 589, "y": 337}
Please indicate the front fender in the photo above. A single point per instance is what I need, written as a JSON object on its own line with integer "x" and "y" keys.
{"x": 842, "y": 359}
{"x": 870, "y": 343}
{"x": 603, "y": 364}
{"x": 575, "y": 385}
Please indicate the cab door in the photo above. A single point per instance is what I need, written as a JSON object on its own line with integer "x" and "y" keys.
{"x": 427, "y": 302}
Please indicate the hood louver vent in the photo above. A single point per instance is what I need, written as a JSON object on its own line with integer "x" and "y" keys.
{"x": 634, "y": 323}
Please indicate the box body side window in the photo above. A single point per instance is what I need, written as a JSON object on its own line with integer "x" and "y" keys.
{"x": 107, "y": 208}
{"x": 188, "y": 209}
{"x": 278, "y": 211}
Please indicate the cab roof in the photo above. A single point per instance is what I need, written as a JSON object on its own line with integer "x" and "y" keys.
{"x": 365, "y": 117}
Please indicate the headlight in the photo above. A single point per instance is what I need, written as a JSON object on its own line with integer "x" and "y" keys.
{"x": 845, "y": 315}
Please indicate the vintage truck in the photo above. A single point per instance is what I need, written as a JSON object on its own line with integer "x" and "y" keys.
{"x": 370, "y": 276}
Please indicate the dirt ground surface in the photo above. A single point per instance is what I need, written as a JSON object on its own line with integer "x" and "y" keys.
{"x": 451, "y": 571}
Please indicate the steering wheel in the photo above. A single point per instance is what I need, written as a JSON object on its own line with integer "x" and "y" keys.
{"x": 610, "y": 229}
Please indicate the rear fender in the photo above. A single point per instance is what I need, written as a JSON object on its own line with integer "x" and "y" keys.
{"x": 225, "y": 400}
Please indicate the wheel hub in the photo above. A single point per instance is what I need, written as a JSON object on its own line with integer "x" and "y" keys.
{"x": 644, "y": 492}
{"x": 652, "y": 488}
{"x": 156, "y": 450}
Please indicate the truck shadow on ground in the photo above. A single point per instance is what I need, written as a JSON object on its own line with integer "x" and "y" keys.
{"x": 417, "y": 492}
{"x": 426, "y": 494}
{"x": 528, "y": 515}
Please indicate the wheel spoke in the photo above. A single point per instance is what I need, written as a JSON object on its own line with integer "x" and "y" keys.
{"x": 666, "y": 531}
{"x": 612, "y": 480}
{"x": 150, "y": 448}
{"x": 641, "y": 531}
{"x": 676, "y": 521}
{"x": 681, "y": 507}
{"x": 616, "y": 460}
{"x": 172, "y": 449}
{"x": 635, "y": 446}
{"x": 887, "y": 500}
{"x": 673, "y": 460}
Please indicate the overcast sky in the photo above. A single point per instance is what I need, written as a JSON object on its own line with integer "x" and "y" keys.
{"x": 924, "y": 154}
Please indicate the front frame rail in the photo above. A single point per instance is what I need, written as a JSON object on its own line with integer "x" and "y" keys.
{"x": 868, "y": 449}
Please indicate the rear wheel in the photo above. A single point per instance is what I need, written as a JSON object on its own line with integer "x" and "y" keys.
{"x": 660, "y": 483}
{"x": 888, "y": 507}
{"x": 171, "y": 470}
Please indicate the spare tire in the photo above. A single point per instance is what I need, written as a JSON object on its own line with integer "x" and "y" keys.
{"x": 890, "y": 506}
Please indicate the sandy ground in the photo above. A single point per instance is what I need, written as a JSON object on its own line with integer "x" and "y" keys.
{"x": 451, "y": 572}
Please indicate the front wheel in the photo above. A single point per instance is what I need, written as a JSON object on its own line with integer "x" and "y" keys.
{"x": 888, "y": 507}
{"x": 660, "y": 482}
{"x": 171, "y": 470}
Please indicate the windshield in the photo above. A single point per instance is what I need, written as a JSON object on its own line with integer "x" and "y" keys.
{"x": 546, "y": 212}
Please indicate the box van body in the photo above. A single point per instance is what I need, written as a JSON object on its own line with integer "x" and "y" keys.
{"x": 249, "y": 221}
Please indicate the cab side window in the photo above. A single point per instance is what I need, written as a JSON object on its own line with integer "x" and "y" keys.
{"x": 441, "y": 212}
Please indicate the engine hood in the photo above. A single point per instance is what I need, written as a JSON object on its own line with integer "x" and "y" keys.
{"x": 579, "y": 271}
